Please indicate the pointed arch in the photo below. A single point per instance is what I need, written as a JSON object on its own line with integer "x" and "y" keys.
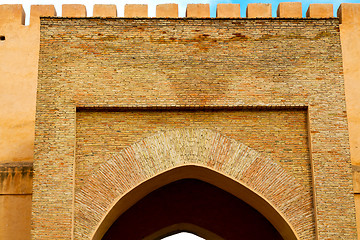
{"x": 192, "y": 153}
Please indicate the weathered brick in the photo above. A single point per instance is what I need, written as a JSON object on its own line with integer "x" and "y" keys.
{"x": 177, "y": 68}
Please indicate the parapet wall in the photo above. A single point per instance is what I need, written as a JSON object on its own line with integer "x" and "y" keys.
{"x": 14, "y": 13}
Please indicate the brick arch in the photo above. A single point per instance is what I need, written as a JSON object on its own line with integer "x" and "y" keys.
{"x": 203, "y": 154}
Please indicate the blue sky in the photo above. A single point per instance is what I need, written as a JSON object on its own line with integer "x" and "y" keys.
{"x": 152, "y": 4}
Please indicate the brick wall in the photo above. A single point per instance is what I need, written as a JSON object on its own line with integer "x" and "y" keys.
{"x": 197, "y": 63}
{"x": 280, "y": 134}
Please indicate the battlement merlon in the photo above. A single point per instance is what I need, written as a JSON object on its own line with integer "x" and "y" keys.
{"x": 103, "y": 10}
{"x": 167, "y": 10}
{"x": 348, "y": 13}
{"x": 12, "y": 14}
{"x": 73, "y": 10}
{"x": 37, "y": 11}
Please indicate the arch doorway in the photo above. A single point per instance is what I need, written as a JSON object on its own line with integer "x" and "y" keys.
{"x": 195, "y": 206}
{"x": 167, "y": 157}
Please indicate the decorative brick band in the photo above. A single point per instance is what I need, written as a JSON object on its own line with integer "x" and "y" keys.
{"x": 204, "y": 148}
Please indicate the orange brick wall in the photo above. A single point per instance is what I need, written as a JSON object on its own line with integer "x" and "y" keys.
{"x": 199, "y": 64}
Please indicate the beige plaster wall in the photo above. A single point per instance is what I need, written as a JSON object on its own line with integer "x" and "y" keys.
{"x": 15, "y": 217}
{"x": 350, "y": 40}
{"x": 15, "y": 200}
{"x": 19, "y": 54}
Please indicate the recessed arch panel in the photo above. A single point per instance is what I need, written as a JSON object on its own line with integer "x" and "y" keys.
{"x": 192, "y": 153}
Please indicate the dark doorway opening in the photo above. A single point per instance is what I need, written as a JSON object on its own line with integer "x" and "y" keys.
{"x": 195, "y": 202}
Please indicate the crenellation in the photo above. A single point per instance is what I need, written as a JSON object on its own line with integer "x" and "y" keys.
{"x": 289, "y": 10}
{"x": 348, "y": 12}
{"x": 320, "y": 10}
{"x": 198, "y": 10}
{"x": 228, "y": 10}
{"x": 258, "y": 10}
{"x": 104, "y": 10}
{"x": 73, "y": 10}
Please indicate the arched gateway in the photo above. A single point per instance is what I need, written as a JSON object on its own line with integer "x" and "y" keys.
{"x": 106, "y": 85}
{"x": 200, "y": 154}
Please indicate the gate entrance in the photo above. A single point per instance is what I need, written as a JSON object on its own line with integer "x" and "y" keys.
{"x": 191, "y": 205}
{"x": 170, "y": 156}
{"x": 144, "y": 100}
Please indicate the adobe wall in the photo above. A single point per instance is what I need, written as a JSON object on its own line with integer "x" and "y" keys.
{"x": 18, "y": 92}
